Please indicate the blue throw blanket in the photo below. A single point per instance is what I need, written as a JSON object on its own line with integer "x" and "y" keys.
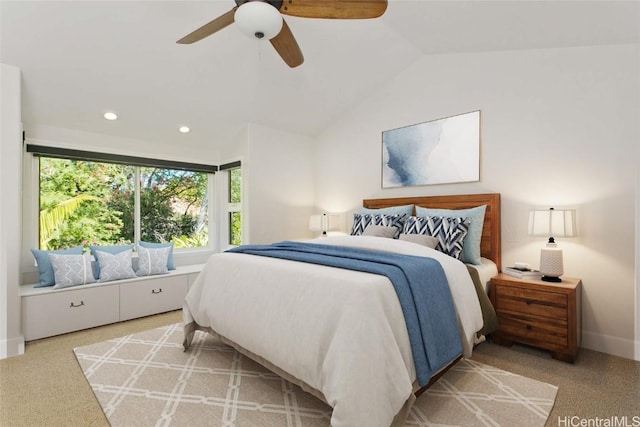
{"x": 420, "y": 283}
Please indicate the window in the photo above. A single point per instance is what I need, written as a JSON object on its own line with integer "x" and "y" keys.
{"x": 98, "y": 202}
{"x": 235, "y": 205}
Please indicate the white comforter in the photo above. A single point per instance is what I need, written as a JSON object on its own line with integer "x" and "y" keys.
{"x": 342, "y": 332}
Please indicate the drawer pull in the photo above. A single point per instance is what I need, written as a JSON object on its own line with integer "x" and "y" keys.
{"x": 529, "y": 302}
{"x": 528, "y": 327}
{"x": 74, "y": 305}
{"x": 153, "y": 291}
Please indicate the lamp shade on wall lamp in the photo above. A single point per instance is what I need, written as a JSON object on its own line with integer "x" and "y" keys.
{"x": 552, "y": 223}
{"x": 258, "y": 19}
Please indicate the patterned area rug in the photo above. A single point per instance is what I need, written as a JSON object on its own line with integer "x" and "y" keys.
{"x": 145, "y": 379}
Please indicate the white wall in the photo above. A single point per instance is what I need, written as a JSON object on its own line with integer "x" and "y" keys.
{"x": 180, "y": 151}
{"x": 11, "y": 341}
{"x": 279, "y": 184}
{"x": 559, "y": 128}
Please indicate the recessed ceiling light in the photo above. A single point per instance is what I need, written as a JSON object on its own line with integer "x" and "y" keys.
{"x": 110, "y": 116}
{"x": 184, "y": 129}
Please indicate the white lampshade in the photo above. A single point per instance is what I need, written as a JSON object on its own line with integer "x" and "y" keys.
{"x": 552, "y": 223}
{"x": 258, "y": 19}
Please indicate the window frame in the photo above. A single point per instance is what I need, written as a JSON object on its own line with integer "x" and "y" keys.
{"x": 32, "y": 163}
{"x": 228, "y": 208}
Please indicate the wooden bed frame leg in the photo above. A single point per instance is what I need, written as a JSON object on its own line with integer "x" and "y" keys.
{"x": 436, "y": 377}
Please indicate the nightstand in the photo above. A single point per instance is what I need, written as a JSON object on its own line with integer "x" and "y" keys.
{"x": 541, "y": 314}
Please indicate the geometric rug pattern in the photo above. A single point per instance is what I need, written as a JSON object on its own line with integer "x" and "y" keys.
{"x": 146, "y": 379}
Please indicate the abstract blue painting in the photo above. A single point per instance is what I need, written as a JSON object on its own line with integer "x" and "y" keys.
{"x": 441, "y": 151}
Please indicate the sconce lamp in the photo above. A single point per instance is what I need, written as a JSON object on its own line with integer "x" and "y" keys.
{"x": 324, "y": 222}
{"x": 553, "y": 223}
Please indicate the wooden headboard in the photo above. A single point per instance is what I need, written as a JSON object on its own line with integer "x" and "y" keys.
{"x": 490, "y": 243}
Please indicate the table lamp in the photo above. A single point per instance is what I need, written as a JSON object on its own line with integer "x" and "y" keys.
{"x": 324, "y": 222}
{"x": 553, "y": 223}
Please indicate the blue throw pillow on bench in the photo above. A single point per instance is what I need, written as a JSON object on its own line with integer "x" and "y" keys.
{"x": 115, "y": 266}
{"x": 152, "y": 261}
{"x": 108, "y": 249}
{"x": 45, "y": 268}
{"x": 71, "y": 270}
{"x": 170, "y": 264}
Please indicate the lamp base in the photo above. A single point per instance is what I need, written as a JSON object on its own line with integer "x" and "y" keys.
{"x": 551, "y": 279}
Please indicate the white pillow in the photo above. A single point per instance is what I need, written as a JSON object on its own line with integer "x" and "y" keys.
{"x": 421, "y": 239}
{"x": 71, "y": 270}
{"x": 152, "y": 261}
{"x": 380, "y": 231}
{"x": 114, "y": 266}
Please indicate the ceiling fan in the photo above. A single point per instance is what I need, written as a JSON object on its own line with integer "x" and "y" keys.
{"x": 263, "y": 19}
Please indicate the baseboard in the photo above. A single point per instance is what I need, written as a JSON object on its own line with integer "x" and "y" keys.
{"x": 616, "y": 346}
{"x": 11, "y": 347}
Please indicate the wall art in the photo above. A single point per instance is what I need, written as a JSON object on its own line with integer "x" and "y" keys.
{"x": 441, "y": 151}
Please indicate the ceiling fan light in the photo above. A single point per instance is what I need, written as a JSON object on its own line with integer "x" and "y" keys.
{"x": 258, "y": 20}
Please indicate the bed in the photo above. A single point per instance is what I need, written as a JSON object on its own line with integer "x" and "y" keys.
{"x": 341, "y": 334}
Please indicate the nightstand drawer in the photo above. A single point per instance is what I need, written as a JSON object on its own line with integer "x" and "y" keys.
{"x": 526, "y": 301}
{"x": 534, "y": 331}
{"x": 542, "y": 314}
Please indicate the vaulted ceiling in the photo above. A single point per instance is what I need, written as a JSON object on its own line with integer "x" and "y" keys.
{"x": 82, "y": 58}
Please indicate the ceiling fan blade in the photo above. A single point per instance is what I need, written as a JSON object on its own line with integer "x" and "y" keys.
{"x": 334, "y": 9}
{"x": 207, "y": 29}
{"x": 287, "y": 46}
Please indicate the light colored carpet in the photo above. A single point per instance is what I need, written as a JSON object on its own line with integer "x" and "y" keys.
{"x": 146, "y": 379}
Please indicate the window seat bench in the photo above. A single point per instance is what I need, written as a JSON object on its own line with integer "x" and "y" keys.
{"x": 47, "y": 311}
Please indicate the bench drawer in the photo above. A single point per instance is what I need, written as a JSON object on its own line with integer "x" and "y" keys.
{"x": 155, "y": 295}
{"x": 72, "y": 310}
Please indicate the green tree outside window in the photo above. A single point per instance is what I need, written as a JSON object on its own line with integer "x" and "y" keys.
{"x": 88, "y": 203}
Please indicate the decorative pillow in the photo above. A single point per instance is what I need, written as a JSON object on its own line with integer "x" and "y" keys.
{"x": 392, "y": 210}
{"x": 114, "y": 266}
{"x": 420, "y": 239}
{"x": 361, "y": 222}
{"x": 152, "y": 261}
{"x": 109, "y": 249}
{"x": 170, "y": 264}
{"x": 471, "y": 249}
{"x": 45, "y": 269}
{"x": 71, "y": 270}
{"x": 380, "y": 231}
{"x": 449, "y": 231}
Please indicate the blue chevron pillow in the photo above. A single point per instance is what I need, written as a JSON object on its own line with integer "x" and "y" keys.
{"x": 362, "y": 221}
{"x": 450, "y": 232}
